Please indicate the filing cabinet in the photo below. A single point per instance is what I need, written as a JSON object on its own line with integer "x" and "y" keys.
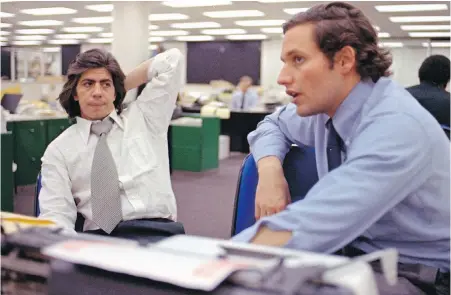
{"x": 196, "y": 148}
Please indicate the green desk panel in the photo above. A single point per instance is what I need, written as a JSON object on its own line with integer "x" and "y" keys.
{"x": 7, "y": 181}
{"x": 30, "y": 142}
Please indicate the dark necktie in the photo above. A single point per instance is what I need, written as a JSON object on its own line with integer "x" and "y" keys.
{"x": 334, "y": 147}
{"x": 243, "y": 99}
{"x": 106, "y": 202}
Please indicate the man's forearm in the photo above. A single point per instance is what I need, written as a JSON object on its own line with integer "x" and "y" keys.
{"x": 268, "y": 237}
{"x": 270, "y": 163}
{"x": 138, "y": 76}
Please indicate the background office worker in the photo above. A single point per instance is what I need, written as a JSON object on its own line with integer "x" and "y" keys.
{"x": 382, "y": 159}
{"x": 434, "y": 74}
{"x": 244, "y": 98}
{"x": 118, "y": 179}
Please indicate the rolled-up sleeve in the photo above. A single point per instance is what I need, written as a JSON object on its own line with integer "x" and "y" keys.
{"x": 273, "y": 134}
{"x": 387, "y": 161}
{"x": 157, "y": 100}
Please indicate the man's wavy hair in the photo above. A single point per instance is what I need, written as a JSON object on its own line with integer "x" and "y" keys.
{"x": 91, "y": 59}
{"x": 340, "y": 24}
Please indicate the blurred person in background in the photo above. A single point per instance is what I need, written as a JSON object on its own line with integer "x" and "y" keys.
{"x": 434, "y": 76}
{"x": 244, "y": 98}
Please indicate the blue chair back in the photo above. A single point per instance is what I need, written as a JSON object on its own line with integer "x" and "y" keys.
{"x": 36, "y": 195}
{"x": 446, "y": 129}
{"x": 79, "y": 223}
{"x": 300, "y": 171}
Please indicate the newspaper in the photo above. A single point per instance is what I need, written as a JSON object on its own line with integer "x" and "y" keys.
{"x": 201, "y": 272}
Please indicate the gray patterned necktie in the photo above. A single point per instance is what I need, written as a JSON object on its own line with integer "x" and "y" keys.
{"x": 106, "y": 202}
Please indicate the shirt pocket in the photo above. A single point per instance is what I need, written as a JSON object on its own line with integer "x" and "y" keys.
{"x": 139, "y": 156}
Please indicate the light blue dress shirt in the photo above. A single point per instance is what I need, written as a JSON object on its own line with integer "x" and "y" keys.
{"x": 250, "y": 99}
{"x": 393, "y": 188}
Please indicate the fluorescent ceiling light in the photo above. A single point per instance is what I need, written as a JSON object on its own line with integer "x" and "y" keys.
{"x": 106, "y": 35}
{"x": 246, "y": 37}
{"x": 169, "y": 33}
{"x": 436, "y": 44}
{"x": 295, "y": 10}
{"x": 100, "y": 40}
{"x": 377, "y": 28}
{"x": 82, "y": 29}
{"x": 272, "y": 30}
{"x": 30, "y": 37}
{"x": 71, "y": 36}
{"x": 3, "y": 39}
{"x": 391, "y": 44}
{"x": 419, "y": 19}
{"x": 426, "y": 28}
{"x": 100, "y": 7}
{"x": 63, "y": 41}
{"x": 233, "y": 13}
{"x": 35, "y": 31}
{"x": 93, "y": 20}
{"x": 223, "y": 32}
{"x": 430, "y": 34}
{"x": 51, "y": 49}
{"x": 196, "y": 25}
{"x": 26, "y": 43}
{"x": 156, "y": 39}
{"x": 167, "y": 16}
{"x": 383, "y": 35}
{"x": 3, "y": 25}
{"x": 153, "y": 27}
{"x": 195, "y": 38}
{"x": 259, "y": 23}
{"x": 4, "y": 33}
{"x": 49, "y": 11}
{"x": 410, "y": 7}
{"x": 6, "y": 14}
{"x": 197, "y": 3}
{"x": 40, "y": 23}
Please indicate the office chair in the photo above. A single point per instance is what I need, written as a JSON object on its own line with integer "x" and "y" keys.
{"x": 300, "y": 171}
{"x": 79, "y": 222}
{"x": 446, "y": 129}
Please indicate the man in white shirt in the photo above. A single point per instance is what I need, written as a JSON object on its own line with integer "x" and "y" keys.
{"x": 244, "y": 98}
{"x": 138, "y": 180}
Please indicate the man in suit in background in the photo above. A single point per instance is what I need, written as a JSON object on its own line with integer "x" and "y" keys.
{"x": 244, "y": 98}
{"x": 431, "y": 94}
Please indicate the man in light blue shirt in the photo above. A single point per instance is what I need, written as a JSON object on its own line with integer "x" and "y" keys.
{"x": 244, "y": 98}
{"x": 383, "y": 161}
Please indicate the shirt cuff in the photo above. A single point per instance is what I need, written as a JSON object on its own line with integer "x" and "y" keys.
{"x": 163, "y": 62}
{"x": 266, "y": 147}
{"x": 274, "y": 222}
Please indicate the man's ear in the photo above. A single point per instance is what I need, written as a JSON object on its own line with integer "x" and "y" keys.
{"x": 345, "y": 59}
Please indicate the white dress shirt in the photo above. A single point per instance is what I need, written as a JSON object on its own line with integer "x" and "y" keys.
{"x": 138, "y": 143}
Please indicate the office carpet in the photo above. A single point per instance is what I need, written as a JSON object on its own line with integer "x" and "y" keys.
{"x": 204, "y": 199}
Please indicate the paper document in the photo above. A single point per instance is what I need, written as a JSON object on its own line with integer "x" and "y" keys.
{"x": 202, "y": 272}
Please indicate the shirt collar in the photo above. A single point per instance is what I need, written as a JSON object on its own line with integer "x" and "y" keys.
{"x": 351, "y": 107}
{"x": 84, "y": 125}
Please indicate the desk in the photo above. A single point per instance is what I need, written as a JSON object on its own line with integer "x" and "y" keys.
{"x": 240, "y": 124}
